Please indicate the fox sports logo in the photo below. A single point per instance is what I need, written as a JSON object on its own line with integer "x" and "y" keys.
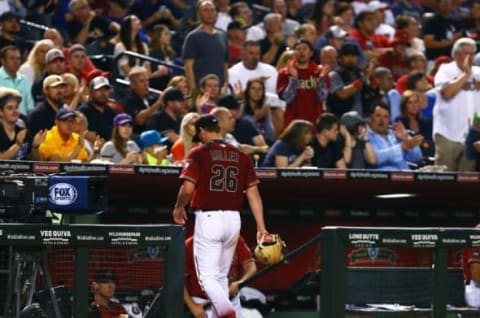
{"x": 63, "y": 194}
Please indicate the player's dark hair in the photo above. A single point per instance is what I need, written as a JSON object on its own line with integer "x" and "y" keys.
{"x": 294, "y": 134}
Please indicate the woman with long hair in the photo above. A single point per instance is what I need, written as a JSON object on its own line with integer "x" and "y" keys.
{"x": 161, "y": 49}
{"x": 121, "y": 149}
{"x": 184, "y": 144}
{"x": 129, "y": 40}
{"x": 411, "y": 117}
{"x": 322, "y": 15}
{"x": 35, "y": 63}
{"x": 292, "y": 148}
{"x": 256, "y": 111}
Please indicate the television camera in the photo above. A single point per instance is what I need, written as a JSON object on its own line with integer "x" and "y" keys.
{"x": 27, "y": 197}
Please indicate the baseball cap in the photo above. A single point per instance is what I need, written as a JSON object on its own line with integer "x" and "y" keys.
{"x": 122, "y": 119}
{"x": 53, "y": 81}
{"x": 204, "y": 121}
{"x": 99, "y": 82}
{"x": 54, "y": 54}
{"x": 349, "y": 49}
{"x": 236, "y": 25}
{"x": 376, "y": 5}
{"x": 94, "y": 73}
{"x": 76, "y": 47}
{"x": 475, "y": 257}
{"x": 229, "y": 102}
{"x": 64, "y": 113}
{"x": 401, "y": 37}
{"x": 173, "y": 94}
{"x": 8, "y": 15}
{"x": 441, "y": 59}
{"x": 336, "y": 32}
{"x": 351, "y": 119}
{"x": 151, "y": 137}
{"x": 105, "y": 276}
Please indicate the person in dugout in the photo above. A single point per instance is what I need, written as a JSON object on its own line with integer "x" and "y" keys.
{"x": 104, "y": 305}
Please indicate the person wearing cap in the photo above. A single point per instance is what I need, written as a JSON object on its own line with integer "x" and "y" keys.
{"x": 396, "y": 59}
{"x": 13, "y": 132}
{"x": 77, "y": 60}
{"x": 121, "y": 148}
{"x": 10, "y": 27}
{"x": 303, "y": 85}
{"x": 43, "y": 116}
{"x": 347, "y": 82}
{"x": 379, "y": 7}
{"x": 153, "y": 146}
{"x": 61, "y": 144}
{"x": 336, "y": 36}
{"x": 216, "y": 181}
{"x": 394, "y": 147}
{"x": 85, "y": 26}
{"x": 167, "y": 121}
{"x": 104, "y": 305}
{"x": 354, "y": 127}
{"x": 54, "y": 65}
{"x": 99, "y": 114}
{"x": 456, "y": 109}
{"x": 10, "y": 77}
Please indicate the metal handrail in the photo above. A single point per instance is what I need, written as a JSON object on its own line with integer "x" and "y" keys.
{"x": 149, "y": 59}
{"x": 127, "y": 83}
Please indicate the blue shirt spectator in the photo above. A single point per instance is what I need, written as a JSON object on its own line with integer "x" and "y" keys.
{"x": 394, "y": 148}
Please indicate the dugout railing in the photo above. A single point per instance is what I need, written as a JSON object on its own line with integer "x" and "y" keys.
{"x": 444, "y": 283}
{"x": 167, "y": 240}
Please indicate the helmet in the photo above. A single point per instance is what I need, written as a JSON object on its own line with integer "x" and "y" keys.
{"x": 270, "y": 253}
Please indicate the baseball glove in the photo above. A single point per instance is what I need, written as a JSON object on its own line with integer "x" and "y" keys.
{"x": 270, "y": 252}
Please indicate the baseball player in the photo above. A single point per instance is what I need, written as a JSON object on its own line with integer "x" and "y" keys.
{"x": 215, "y": 177}
{"x": 243, "y": 267}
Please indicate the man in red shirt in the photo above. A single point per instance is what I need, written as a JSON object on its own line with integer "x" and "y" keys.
{"x": 243, "y": 267}
{"x": 373, "y": 45}
{"x": 215, "y": 178}
{"x": 303, "y": 85}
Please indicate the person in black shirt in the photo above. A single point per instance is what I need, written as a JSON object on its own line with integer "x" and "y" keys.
{"x": 10, "y": 26}
{"x": 138, "y": 103}
{"x": 328, "y": 149}
{"x": 43, "y": 116}
{"x": 167, "y": 121}
{"x": 85, "y": 26}
{"x": 99, "y": 115}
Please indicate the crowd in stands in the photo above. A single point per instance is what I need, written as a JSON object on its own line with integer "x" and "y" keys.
{"x": 389, "y": 85}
